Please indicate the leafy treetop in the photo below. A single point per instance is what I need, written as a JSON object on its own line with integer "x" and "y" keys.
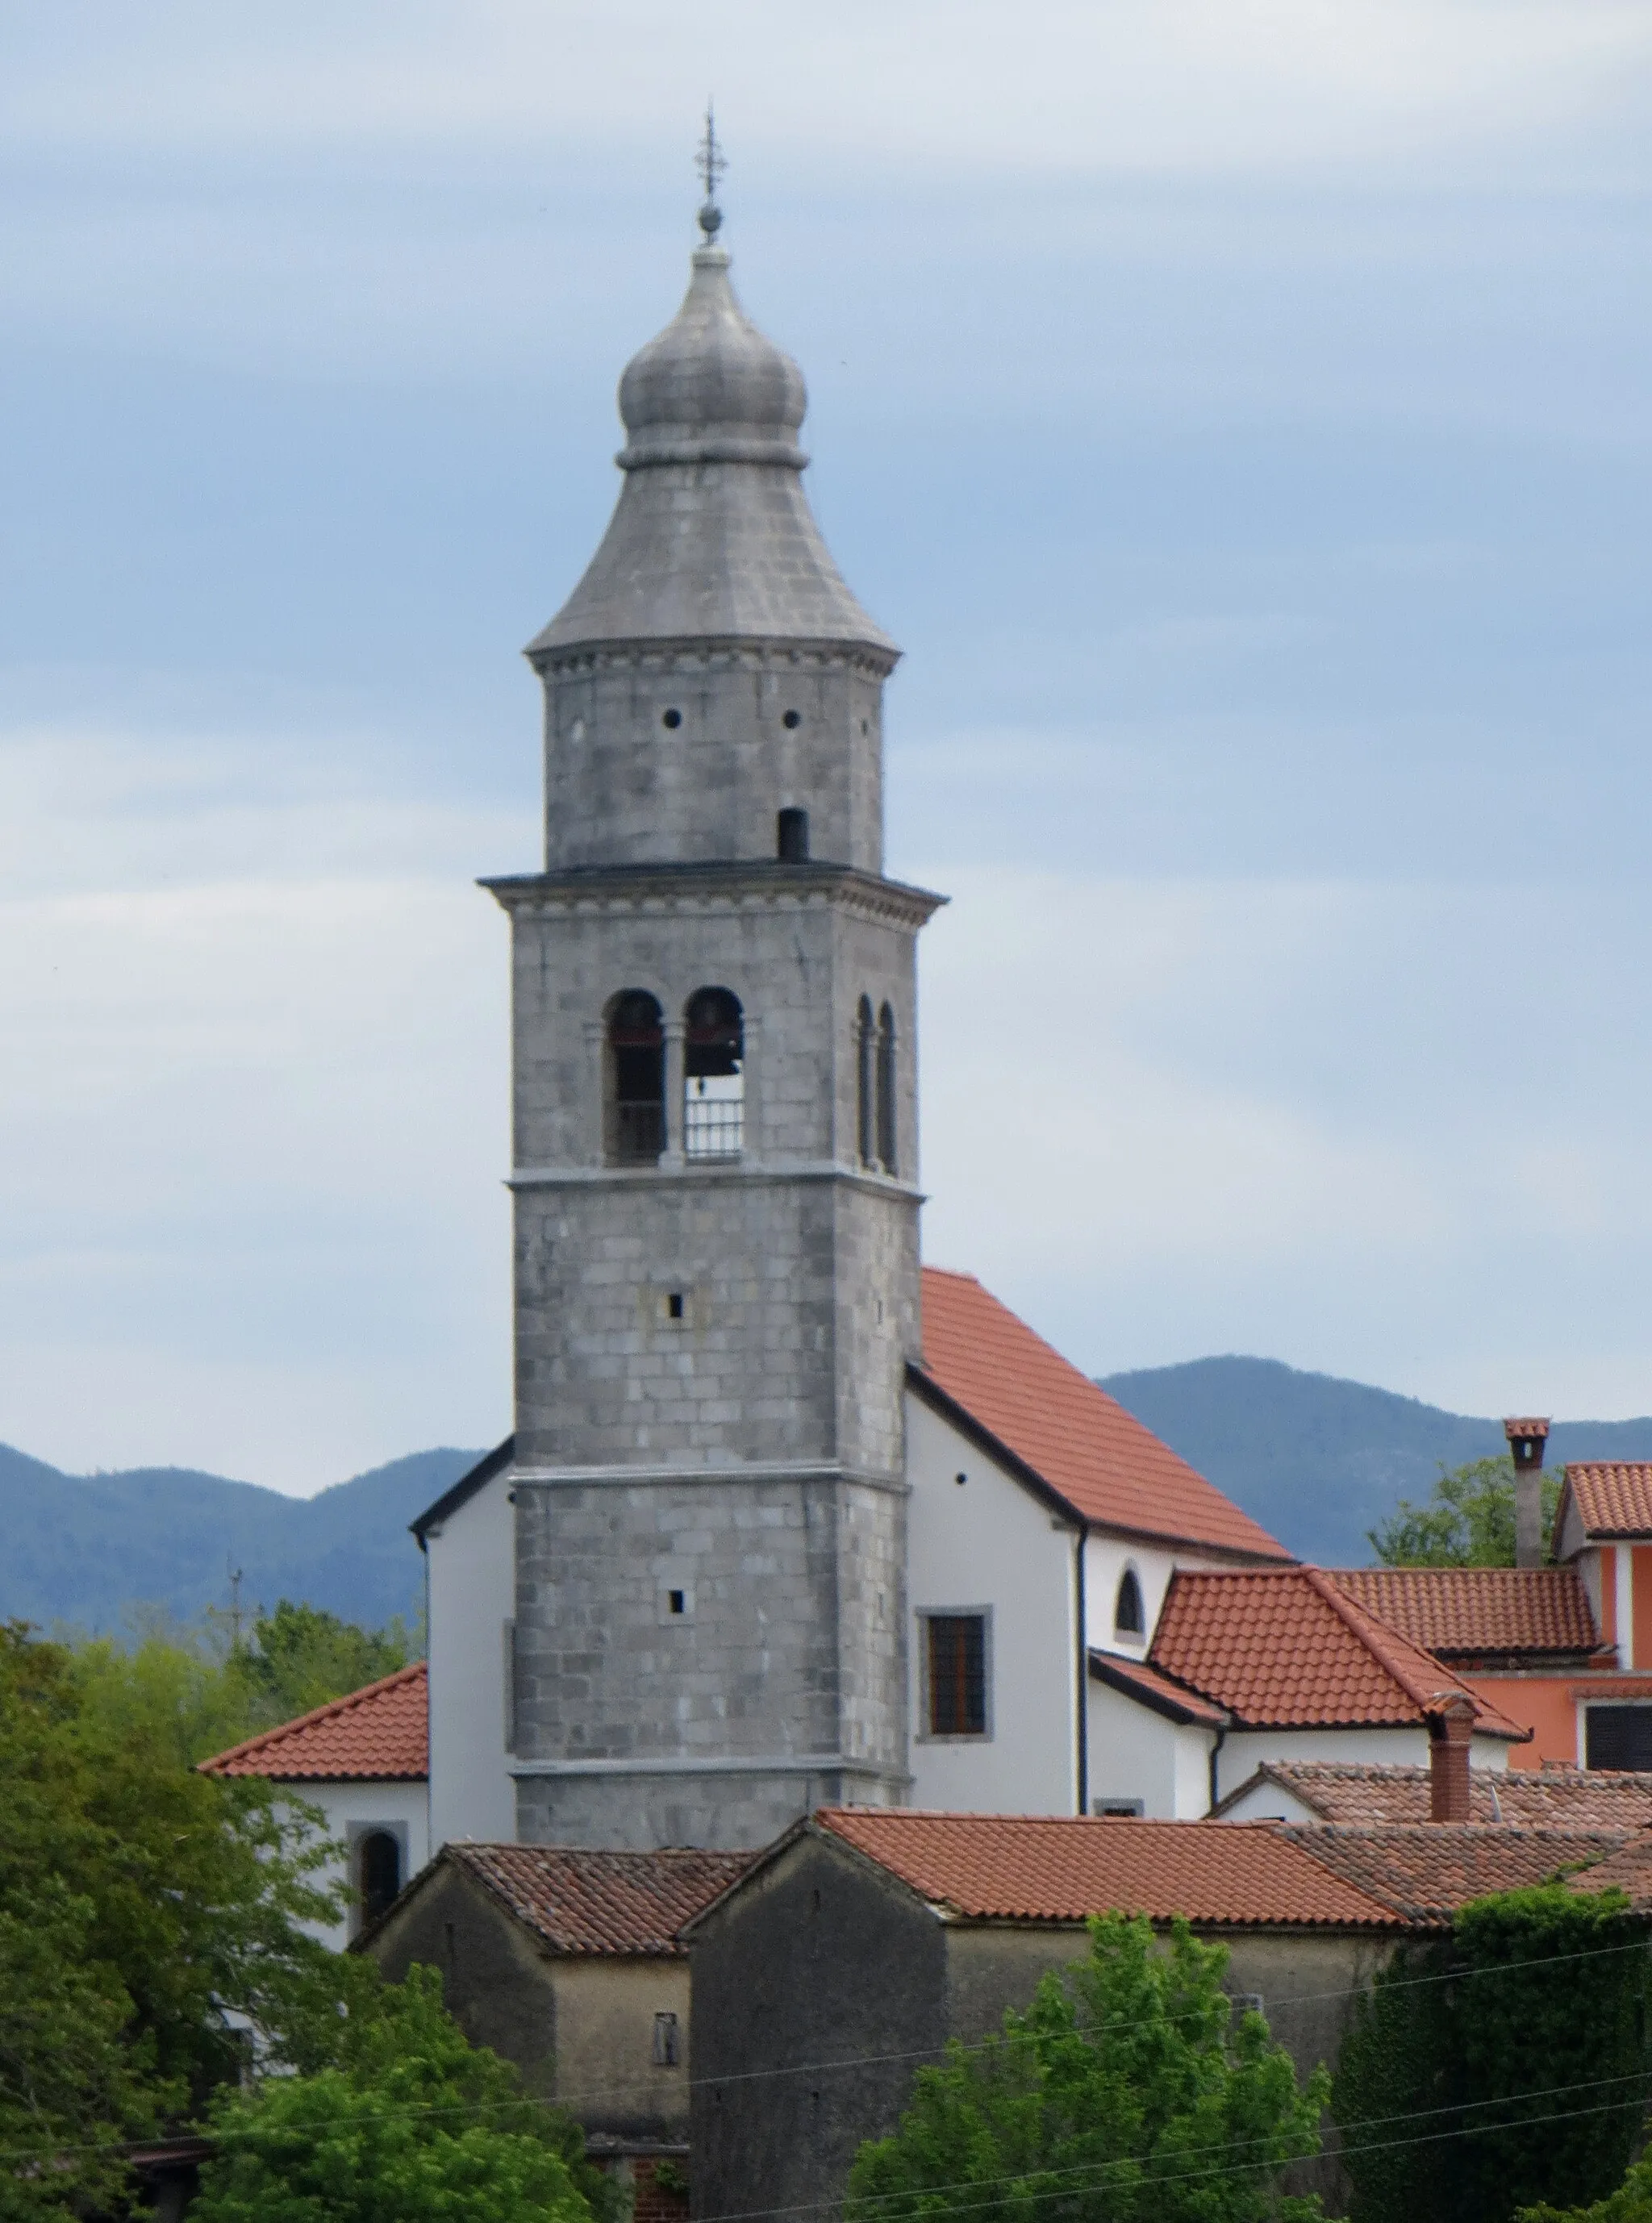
{"x": 1468, "y": 1522}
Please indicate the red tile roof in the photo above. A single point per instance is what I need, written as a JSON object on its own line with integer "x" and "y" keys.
{"x": 1613, "y": 1496}
{"x": 1287, "y": 1648}
{"x": 1426, "y": 1871}
{"x": 1628, "y": 1869}
{"x": 1082, "y": 1443}
{"x": 1026, "y": 1868}
{"x": 1465, "y": 1612}
{"x": 631, "y": 1904}
{"x": 380, "y": 1732}
{"x": 1139, "y": 1680}
{"x": 1556, "y": 1798}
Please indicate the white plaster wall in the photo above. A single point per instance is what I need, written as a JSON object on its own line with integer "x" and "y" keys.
{"x": 1137, "y": 1753}
{"x": 1267, "y": 1801}
{"x": 352, "y": 1809}
{"x": 472, "y": 1596}
{"x": 991, "y": 1542}
{"x": 1243, "y": 1750}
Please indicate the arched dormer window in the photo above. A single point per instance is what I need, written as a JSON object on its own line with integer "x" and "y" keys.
{"x": 714, "y": 1075}
{"x": 1128, "y": 1618}
{"x": 865, "y": 1099}
{"x": 633, "y": 1081}
{"x": 887, "y": 1089}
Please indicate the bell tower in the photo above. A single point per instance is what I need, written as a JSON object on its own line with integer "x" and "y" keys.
{"x": 714, "y": 1115}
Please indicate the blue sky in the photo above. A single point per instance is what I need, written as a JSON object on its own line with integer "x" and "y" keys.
{"x": 1240, "y": 414}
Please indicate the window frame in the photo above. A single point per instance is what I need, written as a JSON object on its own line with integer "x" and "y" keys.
{"x": 926, "y": 1734}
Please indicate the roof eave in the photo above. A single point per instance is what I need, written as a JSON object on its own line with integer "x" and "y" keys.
{"x": 964, "y": 1421}
{"x": 458, "y": 1493}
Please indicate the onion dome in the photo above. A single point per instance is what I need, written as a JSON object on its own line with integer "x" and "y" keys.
{"x": 712, "y": 538}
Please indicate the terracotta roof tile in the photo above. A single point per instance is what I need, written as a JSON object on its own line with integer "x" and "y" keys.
{"x": 579, "y": 1902}
{"x": 1108, "y": 1467}
{"x": 1558, "y": 1798}
{"x": 382, "y": 1731}
{"x": 1287, "y": 1648}
{"x": 1613, "y": 1496}
{"x": 1628, "y": 1869}
{"x": 1145, "y": 1683}
{"x": 1021, "y": 1867}
{"x": 1468, "y": 1611}
{"x": 1426, "y": 1871}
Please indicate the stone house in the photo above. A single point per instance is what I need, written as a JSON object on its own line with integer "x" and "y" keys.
{"x": 862, "y": 1941}
{"x": 569, "y": 1964}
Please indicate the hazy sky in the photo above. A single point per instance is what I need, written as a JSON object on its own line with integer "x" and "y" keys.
{"x": 1239, "y": 411}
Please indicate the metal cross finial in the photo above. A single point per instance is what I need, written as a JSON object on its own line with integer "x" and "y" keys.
{"x": 710, "y": 162}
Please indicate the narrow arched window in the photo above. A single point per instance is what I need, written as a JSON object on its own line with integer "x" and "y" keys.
{"x": 714, "y": 1075}
{"x": 1128, "y": 1619}
{"x": 378, "y": 1872}
{"x": 865, "y": 1101}
{"x": 791, "y": 837}
{"x": 633, "y": 1109}
{"x": 887, "y": 1089}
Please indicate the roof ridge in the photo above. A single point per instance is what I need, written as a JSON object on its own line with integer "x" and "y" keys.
{"x": 1352, "y": 1614}
{"x": 328, "y": 1711}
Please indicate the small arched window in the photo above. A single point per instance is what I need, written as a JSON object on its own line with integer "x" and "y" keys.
{"x": 866, "y": 1098}
{"x": 887, "y": 1089}
{"x": 633, "y": 1109}
{"x": 1128, "y": 1619}
{"x": 714, "y": 1075}
{"x": 791, "y": 837}
{"x": 378, "y": 1872}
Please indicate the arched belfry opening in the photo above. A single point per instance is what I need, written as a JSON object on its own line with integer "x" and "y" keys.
{"x": 886, "y": 1090}
{"x": 633, "y": 1092}
{"x": 714, "y": 1075}
{"x": 378, "y": 1873}
{"x": 866, "y": 1038}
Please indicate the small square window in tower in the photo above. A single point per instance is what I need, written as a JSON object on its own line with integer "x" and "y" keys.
{"x": 714, "y": 1076}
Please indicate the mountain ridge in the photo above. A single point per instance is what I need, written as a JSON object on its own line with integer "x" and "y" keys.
{"x": 1320, "y": 1460}
{"x": 1317, "y": 1459}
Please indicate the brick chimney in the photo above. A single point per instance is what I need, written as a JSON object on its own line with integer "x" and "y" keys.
{"x": 1527, "y": 1441}
{"x": 1451, "y": 1726}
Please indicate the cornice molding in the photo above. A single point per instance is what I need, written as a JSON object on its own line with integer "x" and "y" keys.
{"x": 737, "y": 884}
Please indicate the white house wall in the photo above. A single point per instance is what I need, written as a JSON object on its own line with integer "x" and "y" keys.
{"x": 352, "y": 1811}
{"x": 1267, "y": 1801}
{"x": 472, "y": 1596}
{"x": 1136, "y": 1753}
{"x": 1244, "y": 1751}
{"x": 990, "y": 1543}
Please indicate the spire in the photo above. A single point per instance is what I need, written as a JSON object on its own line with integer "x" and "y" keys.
{"x": 710, "y": 162}
{"x": 712, "y": 537}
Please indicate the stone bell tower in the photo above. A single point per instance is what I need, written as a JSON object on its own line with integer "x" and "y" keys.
{"x": 715, "y": 1125}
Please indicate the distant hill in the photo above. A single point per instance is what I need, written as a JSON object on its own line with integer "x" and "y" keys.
{"x": 81, "y": 1549}
{"x": 1319, "y": 1461}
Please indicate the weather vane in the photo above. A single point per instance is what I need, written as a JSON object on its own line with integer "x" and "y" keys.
{"x": 710, "y": 162}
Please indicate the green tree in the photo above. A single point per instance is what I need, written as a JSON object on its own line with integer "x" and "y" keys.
{"x": 409, "y": 2121}
{"x": 176, "y": 1894}
{"x": 1125, "y": 2094}
{"x": 1468, "y": 1522}
{"x": 300, "y": 1657}
{"x": 1505, "y": 2067}
{"x": 1630, "y": 2203}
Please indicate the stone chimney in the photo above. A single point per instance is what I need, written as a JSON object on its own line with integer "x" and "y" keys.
{"x": 1450, "y": 1727}
{"x": 1527, "y": 1441}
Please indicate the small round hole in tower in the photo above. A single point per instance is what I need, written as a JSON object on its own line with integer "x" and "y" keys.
{"x": 672, "y": 720}
{"x": 792, "y": 720}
